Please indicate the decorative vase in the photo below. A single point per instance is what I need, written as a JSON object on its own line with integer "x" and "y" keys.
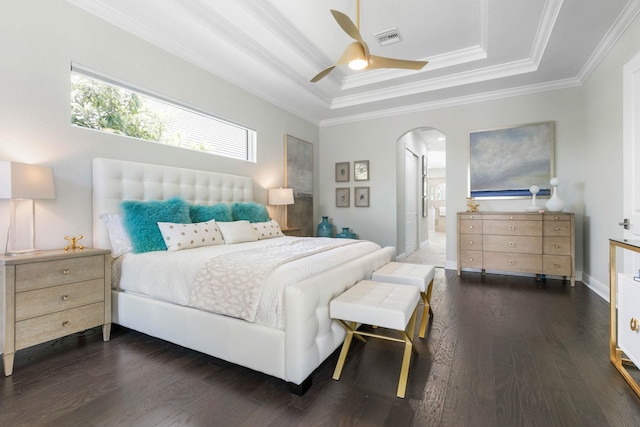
{"x": 346, "y": 234}
{"x": 533, "y": 207}
{"x": 554, "y": 204}
{"x": 325, "y": 229}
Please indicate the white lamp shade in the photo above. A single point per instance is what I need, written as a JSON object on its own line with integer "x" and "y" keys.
{"x": 281, "y": 196}
{"x": 24, "y": 181}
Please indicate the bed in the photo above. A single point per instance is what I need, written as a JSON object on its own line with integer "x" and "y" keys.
{"x": 291, "y": 344}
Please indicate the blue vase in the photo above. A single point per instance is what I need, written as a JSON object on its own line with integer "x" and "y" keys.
{"x": 346, "y": 234}
{"x": 325, "y": 229}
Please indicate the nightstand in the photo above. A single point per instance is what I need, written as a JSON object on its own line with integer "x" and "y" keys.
{"x": 51, "y": 294}
{"x": 291, "y": 231}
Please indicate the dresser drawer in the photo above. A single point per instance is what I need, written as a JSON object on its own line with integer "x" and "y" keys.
{"x": 628, "y": 309}
{"x": 557, "y": 229}
{"x": 505, "y": 217}
{"x": 556, "y": 217}
{"x": 471, "y": 259}
{"x": 518, "y": 244}
{"x": 504, "y": 261}
{"x": 557, "y": 246}
{"x": 51, "y": 273}
{"x": 44, "y": 328}
{"x": 57, "y": 298}
{"x": 471, "y": 242}
{"x": 558, "y": 265}
{"x": 471, "y": 226}
{"x": 512, "y": 228}
{"x": 474, "y": 216}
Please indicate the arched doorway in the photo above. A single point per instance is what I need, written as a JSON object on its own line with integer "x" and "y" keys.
{"x": 421, "y": 191}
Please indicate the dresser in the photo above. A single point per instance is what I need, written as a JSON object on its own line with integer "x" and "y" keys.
{"x": 519, "y": 242}
{"x": 51, "y": 294}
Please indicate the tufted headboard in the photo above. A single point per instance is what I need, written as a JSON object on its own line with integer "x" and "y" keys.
{"x": 118, "y": 180}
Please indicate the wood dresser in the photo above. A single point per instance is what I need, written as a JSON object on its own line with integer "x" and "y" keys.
{"x": 51, "y": 294}
{"x": 519, "y": 242}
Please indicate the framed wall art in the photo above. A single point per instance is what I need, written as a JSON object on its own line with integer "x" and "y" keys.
{"x": 342, "y": 197}
{"x": 504, "y": 163}
{"x": 361, "y": 197}
{"x": 342, "y": 172}
{"x": 361, "y": 170}
{"x": 298, "y": 175}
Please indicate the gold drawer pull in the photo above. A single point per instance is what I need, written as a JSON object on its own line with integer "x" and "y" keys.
{"x": 470, "y": 227}
{"x": 65, "y": 297}
{"x": 556, "y": 265}
{"x": 556, "y": 246}
{"x": 512, "y": 262}
{"x": 512, "y": 228}
{"x": 557, "y": 217}
{"x": 512, "y": 244}
{"x": 556, "y": 229}
{"x": 634, "y": 324}
{"x": 471, "y": 242}
{"x": 470, "y": 259}
{"x": 65, "y": 323}
{"x": 510, "y": 217}
{"x": 66, "y": 271}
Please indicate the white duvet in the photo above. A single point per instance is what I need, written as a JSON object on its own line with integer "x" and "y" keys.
{"x": 171, "y": 276}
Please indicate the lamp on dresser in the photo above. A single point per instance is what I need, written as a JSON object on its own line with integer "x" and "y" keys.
{"x": 281, "y": 197}
{"x": 22, "y": 183}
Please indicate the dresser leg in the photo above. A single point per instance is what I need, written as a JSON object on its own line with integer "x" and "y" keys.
{"x": 7, "y": 359}
{"x": 106, "y": 332}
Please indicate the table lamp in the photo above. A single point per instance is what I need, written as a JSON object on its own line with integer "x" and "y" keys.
{"x": 23, "y": 183}
{"x": 281, "y": 197}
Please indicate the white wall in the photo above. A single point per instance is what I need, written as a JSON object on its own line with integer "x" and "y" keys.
{"x": 39, "y": 40}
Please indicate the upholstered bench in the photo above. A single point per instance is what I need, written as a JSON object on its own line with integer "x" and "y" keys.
{"x": 385, "y": 305}
{"x": 418, "y": 275}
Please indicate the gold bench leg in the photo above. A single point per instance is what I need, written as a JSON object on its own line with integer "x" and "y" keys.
{"x": 426, "y": 299}
{"x": 344, "y": 351}
{"x": 406, "y": 359}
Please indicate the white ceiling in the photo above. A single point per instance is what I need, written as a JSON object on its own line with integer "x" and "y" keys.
{"x": 477, "y": 49}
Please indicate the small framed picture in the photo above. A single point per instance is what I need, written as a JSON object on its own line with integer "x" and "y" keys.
{"x": 342, "y": 197}
{"x": 361, "y": 170}
{"x": 342, "y": 172}
{"x": 361, "y": 197}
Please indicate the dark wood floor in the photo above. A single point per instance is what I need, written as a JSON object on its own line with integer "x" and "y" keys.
{"x": 502, "y": 351}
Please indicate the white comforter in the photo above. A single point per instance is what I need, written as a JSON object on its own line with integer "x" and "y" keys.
{"x": 171, "y": 276}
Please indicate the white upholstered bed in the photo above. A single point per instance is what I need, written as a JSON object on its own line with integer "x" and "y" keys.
{"x": 291, "y": 352}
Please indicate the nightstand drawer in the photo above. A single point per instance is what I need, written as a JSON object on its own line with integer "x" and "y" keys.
{"x": 629, "y": 317}
{"x": 51, "y": 273}
{"x": 44, "y": 328}
{"x": 57, "y": 298}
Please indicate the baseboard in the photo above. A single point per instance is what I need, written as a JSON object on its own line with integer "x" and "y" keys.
{"x": 596, "y": 286}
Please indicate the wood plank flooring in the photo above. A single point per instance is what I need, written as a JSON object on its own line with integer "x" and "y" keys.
{"x": 502, "y": 351}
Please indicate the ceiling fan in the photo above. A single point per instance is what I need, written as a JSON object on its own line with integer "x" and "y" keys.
{"x": 357, "y": 55}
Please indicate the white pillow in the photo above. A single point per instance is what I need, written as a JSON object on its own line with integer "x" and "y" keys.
{"x": 267, "y": 230}
{"x": 237, "y": 232}
{"x": 185, "y": 236}
{"x": 118, "y": 236}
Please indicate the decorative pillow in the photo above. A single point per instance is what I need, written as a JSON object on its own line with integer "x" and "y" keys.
{"x": 237, "y": 232}
{"x": 250, "y": 211}
{"x": 118, "y": 237}
{"x": 220, "y": 212}
{"x": 267, "y": 230}
{"x": 141, "y": 221}
{"x": 185, "y": 236}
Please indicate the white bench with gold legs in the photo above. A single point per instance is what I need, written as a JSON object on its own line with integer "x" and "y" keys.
{"x": 384, "y": 305}
{"x": 418, "y": 275}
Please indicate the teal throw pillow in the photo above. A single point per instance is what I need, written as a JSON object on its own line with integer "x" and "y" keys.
{"x": 220, "y": 212}
{"x": 250, "y": 211}
{"x": 141, "y": 221}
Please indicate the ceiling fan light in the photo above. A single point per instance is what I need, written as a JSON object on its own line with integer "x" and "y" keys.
{"x": 358, "y": 64}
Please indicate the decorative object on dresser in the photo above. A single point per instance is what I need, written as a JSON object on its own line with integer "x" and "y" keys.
{"x": 346, "y": 234}
{"x": 502, "y": 161}
{"x": 22, "y": 183}
{"x": 73, "y": 242}
{"x": 472, "y": 206}
{"x": 281, "y": 197}
{"x": 555, "y": 204}
{"x": 533, "y": 207}
{"x": 51, "y": 294}
{"x": 325, "y": 228}
{"x": 624, "y": 314}
{"x": 532, "y": 243}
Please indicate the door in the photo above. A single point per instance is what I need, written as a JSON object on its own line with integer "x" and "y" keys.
{"x": 411, "y": 201}
{"x": 631, "y": 157}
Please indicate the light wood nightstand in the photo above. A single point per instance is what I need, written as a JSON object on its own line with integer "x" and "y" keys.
{"x": 51, "y": 294}
{"x": 291, "y": 231}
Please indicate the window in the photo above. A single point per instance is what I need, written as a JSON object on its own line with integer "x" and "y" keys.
{"x": 98, "y": 102}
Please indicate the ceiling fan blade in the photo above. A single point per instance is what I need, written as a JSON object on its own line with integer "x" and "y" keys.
{"x": 350, "y": 28}
{"x": 382, "y": 62}
{"x": 322, "y": 74}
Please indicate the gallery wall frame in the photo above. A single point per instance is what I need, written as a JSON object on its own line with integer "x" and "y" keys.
{"x": 361, "y": 170}
{"x": 342, "y": 197}
{"x": 505, "y": 162}
{"x": 342, "y": 172}
{"x": 361, "y": 197}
